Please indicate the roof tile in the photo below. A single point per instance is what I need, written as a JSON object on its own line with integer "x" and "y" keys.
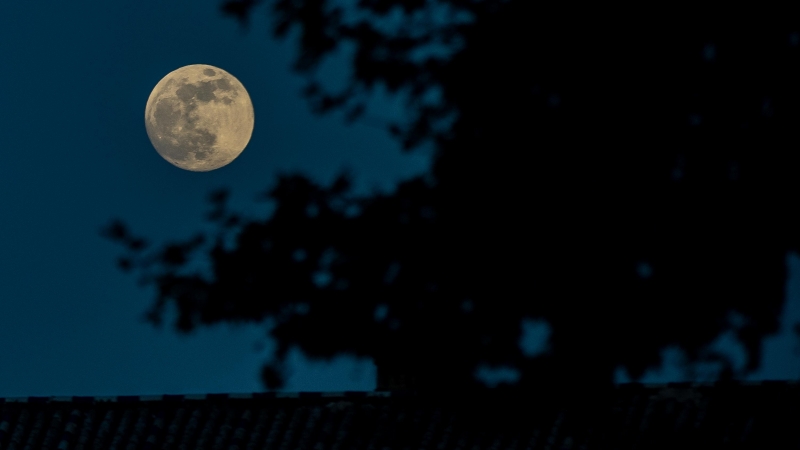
{"x": 718, "y": 415}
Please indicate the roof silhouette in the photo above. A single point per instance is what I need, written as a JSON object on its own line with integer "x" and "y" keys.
{"x": 720, "y": 415}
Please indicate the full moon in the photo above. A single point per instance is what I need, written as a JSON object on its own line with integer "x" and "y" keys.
{"x": 199, "y": 117}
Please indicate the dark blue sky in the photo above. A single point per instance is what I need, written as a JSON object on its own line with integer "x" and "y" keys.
{"x": 76, "y": 77}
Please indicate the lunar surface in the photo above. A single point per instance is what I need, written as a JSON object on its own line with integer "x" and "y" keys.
{"x": 199, "y": 117}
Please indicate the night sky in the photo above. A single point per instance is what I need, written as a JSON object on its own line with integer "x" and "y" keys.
{"x": 76, "y": 76}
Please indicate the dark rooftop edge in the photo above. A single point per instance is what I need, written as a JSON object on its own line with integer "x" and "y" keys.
{"x": 345, "y": 394}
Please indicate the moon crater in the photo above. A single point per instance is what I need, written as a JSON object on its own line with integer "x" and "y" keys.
{"x": 199, "y": 117}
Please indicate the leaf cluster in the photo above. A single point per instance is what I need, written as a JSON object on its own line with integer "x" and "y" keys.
{"x": 631, "y": 182}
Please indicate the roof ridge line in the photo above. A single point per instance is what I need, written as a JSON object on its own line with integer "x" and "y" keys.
{"x": 693, "y": 384}
{"x": 208, "y": 396}
{"x": 343, "y": 394}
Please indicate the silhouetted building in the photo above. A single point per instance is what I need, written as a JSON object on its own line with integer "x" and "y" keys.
{"x": 735, "y": 415}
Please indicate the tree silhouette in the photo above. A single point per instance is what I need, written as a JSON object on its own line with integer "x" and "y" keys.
{"x": 628, "y": 181}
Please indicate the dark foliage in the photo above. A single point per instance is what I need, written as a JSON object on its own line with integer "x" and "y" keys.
{"x": 631, "y": 181}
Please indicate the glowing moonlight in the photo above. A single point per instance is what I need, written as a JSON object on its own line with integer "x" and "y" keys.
{"x": 199, "y": 117}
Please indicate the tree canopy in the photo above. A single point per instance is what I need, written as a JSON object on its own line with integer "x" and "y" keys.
{"x": 631, "y": 182}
